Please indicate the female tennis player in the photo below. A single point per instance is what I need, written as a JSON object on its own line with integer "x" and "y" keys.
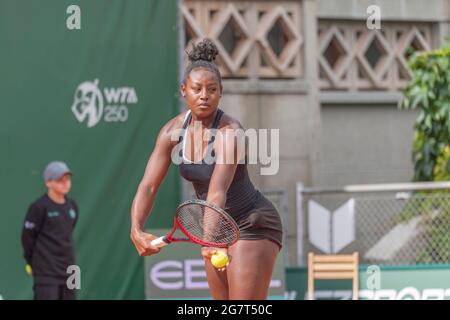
{"x": 226, "y": 185}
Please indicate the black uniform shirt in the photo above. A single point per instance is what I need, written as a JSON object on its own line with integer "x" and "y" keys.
{"x": 47, "y": 239}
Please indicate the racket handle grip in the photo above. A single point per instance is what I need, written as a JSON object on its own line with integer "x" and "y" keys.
{"x": 159, "y": 242}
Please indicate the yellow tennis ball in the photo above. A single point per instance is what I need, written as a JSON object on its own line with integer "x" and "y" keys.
{"x": 219, "y": 259}
{"x": 28, "y": 269}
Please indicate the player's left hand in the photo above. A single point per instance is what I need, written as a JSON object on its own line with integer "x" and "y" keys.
{"x": 208, "y": 252}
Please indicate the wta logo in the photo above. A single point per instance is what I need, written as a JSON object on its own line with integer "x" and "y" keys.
{"x": 91, "y": 104}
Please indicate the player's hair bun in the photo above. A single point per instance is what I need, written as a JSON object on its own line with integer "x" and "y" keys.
{"x": 205, "y": 50}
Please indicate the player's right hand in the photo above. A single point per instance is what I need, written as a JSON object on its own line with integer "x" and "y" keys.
{"x": 142, "y": 241}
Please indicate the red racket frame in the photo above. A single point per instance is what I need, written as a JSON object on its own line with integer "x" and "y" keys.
{"x": 190, "y": 237}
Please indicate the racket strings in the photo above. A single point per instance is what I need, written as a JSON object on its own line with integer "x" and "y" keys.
{"x": 207, "y": 224}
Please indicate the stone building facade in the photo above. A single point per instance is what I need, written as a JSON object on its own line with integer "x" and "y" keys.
{"x": 314, "y": 70}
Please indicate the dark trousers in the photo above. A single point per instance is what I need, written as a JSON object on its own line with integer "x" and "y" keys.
{"x": 53, "y": 292}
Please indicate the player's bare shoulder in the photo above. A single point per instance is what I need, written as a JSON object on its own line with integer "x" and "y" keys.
{"x": 228, "y": 122}
{"x": 231, "y": 132}
{"x": 231, "y": 137}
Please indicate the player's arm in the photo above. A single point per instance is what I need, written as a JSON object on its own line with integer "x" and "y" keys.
{"x": 225, "y": 147}
{"x": 34, "y": 220}
{"x": 155, "y": 172}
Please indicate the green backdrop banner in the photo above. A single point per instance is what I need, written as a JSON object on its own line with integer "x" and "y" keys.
{"x": 96, "y": 99}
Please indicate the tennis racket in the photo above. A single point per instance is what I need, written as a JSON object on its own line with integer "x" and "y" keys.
{"x": 203, "y": 223}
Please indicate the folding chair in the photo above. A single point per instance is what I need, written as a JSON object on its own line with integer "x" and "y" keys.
{"x": 330, "y": 267}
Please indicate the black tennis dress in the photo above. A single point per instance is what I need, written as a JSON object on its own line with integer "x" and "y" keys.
{"x": 255, "y": 215}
